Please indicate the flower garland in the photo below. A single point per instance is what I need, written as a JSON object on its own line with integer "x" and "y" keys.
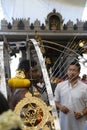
{"x": 9, "y": 120}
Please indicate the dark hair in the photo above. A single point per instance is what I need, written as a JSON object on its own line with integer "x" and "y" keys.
{"x": 4, "y": 106}
{"x": 75, "y": 62}
{"x": 26, "y": 64}
{"x": 84, "y": 76}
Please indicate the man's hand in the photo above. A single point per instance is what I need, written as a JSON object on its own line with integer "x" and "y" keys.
{"x": 78, "y": 115}
{"x": 64, "y": 109}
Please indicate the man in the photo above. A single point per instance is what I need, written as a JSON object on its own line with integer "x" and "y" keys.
{"x": 71, "y": 100}
{"x": 18, "y": 85}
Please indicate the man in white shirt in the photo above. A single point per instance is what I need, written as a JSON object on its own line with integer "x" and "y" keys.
{"x": 71, "y": 100}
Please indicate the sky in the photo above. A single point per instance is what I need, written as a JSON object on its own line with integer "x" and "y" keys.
{"x": 40, "y": 9}
{"x": 1, "y": 12}
{"x": 14, "y": 66}
{"x": 84, "y": 16}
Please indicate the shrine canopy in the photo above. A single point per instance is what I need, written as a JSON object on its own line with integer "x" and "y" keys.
{"x": 33, "y": 9}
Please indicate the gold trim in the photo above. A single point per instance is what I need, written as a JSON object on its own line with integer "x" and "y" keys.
{"x": 20, "y": 74}
{"x": 34, "y": 113}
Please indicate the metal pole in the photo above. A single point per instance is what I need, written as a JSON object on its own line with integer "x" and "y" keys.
{"x": 47, "y": 83}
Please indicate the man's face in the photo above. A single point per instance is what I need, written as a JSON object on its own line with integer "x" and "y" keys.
{"x": 73, "y": 72}
{"x": 35, "y": 74}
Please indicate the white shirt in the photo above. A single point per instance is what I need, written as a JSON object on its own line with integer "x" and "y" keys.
{"x": 74, "y": 98}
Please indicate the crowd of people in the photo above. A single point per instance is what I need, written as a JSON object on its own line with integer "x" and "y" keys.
{"x": 70, "y": 95}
